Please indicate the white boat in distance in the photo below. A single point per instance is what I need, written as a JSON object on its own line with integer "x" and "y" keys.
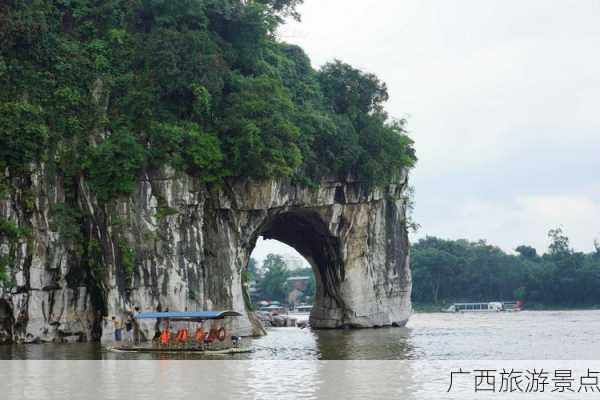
{"x": 493, "y": 306}
{"x": 303, "y": 309}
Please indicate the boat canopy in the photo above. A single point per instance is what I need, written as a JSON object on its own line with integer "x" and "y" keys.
{"x": 188, "y": 315}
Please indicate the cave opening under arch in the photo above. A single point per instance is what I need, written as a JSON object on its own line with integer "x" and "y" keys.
{"x": 305, "y": 232}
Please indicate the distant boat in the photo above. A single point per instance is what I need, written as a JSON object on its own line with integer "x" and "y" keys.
{"x": 303, "y": 309}
{"x": 493, "y": 306}
{"x": 302, "y": 314}
{"x": 512, "y": 306}
{"x": 274, "y": 309}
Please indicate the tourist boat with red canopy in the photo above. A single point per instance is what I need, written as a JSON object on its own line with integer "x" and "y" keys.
{"x": 185, "y": 332}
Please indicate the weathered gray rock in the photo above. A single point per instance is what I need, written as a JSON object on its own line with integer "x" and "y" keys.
{"x": 188, "y": 246}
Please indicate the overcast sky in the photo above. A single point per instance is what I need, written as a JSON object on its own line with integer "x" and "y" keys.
{"x": 502, "y": 100}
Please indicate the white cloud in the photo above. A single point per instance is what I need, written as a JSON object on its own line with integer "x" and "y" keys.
{"x": 264, "y": 247}
{"x": 524, "y": 220}
{"x": 502, "y": 98}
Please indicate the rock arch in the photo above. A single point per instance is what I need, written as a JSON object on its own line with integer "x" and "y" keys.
{"x": 184, "y": 247}
{"x": 355, "y": 239}
{"x": 305, "y": 231}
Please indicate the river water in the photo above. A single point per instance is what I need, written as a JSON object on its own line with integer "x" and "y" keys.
{"x": 415, "y": 362}
{"x": 527, "y": 335}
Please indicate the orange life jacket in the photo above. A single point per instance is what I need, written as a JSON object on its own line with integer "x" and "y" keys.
{"x": 182, "y": 335}
{"x": 164, "y": 336}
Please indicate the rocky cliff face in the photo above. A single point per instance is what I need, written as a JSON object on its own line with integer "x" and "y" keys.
{"x": 176, "y": 245}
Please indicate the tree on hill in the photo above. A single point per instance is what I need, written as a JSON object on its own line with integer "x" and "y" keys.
{"x": 203, "y": 86}
{"x": 275, "y": 274}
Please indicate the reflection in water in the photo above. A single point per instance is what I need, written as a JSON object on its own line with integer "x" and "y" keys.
{"x": 509, "y": 336}
{"x": 259, "y": 379}
{"x": 372, "y": 344}
{"x": 379, "y": 380}
{"x": 294, "y": 379}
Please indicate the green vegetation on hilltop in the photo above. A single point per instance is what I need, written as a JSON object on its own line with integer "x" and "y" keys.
{"x": 448, "y": 271}
{"x": 107, "y": 88}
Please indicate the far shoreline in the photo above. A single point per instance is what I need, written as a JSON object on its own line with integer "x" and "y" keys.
{"x": 432, "y": 309}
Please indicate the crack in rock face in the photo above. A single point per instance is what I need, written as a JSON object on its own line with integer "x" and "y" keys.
{"x": 174, "y": 245}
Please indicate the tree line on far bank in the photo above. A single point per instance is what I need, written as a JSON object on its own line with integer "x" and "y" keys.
{"x": 271, "y": 278}
{"x": 449, "y": 271}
